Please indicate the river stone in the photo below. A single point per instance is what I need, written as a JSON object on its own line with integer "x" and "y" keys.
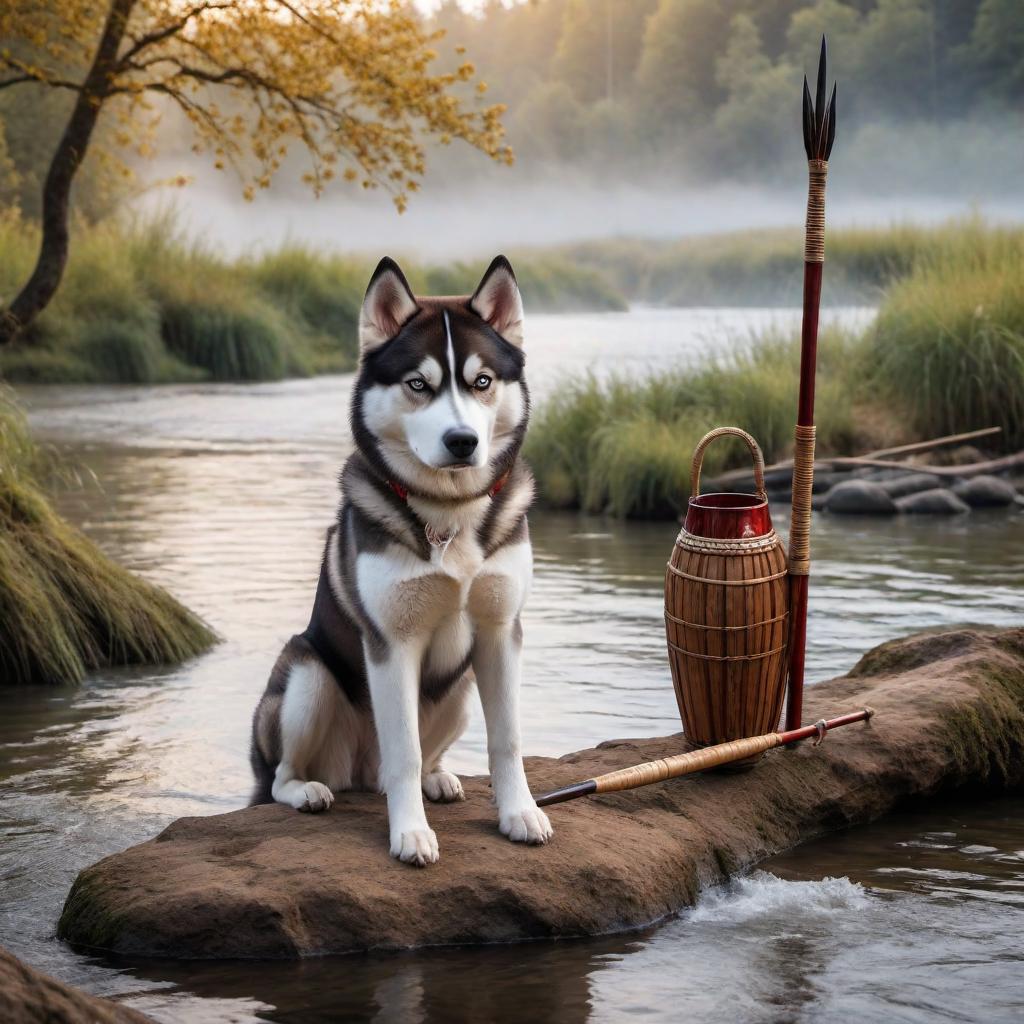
{"x": 826, "y": 479}
{"x": 859, "y": 497}
{"x": 270, "y": 882}
{"x": 910, "y": 483}
{"x": 28, "y": 996}
{"x": 939, "y": 501}
{"x": 985, "y": 492}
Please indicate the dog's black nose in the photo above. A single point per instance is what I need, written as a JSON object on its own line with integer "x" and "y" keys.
{"x": 461, "y": 442}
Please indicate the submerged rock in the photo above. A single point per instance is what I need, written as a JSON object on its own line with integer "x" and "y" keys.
{"x": 28, "y": 996}
{"x": 937, "y": 502}
{"x": 859, "y": 497}
{"x": 270, "y": 882}
{"x": 986, "y": 492}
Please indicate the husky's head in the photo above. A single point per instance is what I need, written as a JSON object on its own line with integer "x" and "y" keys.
{"x": 440, "y": 404}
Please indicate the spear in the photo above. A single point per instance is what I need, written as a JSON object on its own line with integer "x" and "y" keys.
{"x": 819, "y": 122}
{"x": 698, "y": 760}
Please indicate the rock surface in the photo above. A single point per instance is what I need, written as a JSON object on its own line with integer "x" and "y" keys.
{"x": 270, "y": 882}
{"x": 28, "y": 996}
{"x": 937, "y": 502}
{"x": 859, "y": 497}
{"x": 986, "y": 492}
{"x": 910, "y": 483}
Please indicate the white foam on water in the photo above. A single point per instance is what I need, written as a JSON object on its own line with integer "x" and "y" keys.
{"x": 764, "y": 895}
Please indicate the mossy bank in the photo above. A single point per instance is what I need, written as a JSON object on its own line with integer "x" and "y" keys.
{"x": 65, "y": 608}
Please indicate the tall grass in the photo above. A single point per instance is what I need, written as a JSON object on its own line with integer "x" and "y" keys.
{"x": 65, "y": 608}
{"x": 948, "y": 344}
{"x": 140, "y": 302}
{"x": 624, "y": 446}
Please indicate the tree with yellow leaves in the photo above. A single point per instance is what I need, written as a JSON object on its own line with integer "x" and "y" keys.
{"x": 349, "y": 80}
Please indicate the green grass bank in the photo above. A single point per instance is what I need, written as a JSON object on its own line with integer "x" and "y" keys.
{"x": 945, "y": 354}
{"x": 765, "y": 267}
{"x": 143, "y": 304}
{"x": 65, "y": 608}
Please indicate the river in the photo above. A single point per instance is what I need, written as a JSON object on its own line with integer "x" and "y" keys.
{"x": 222, "y": 494}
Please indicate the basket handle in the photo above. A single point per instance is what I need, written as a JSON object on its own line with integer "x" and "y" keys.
{"x": 755, "y": 453}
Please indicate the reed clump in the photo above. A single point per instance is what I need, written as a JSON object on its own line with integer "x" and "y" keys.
{"x": 624, "y": 446}
{"x": 947, "y": 347}
{"x": 65, "y": 608}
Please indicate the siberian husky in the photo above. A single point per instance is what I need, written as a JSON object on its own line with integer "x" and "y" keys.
{"x": 424, "y": 573}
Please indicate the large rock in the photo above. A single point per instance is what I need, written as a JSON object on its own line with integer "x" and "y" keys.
{"x": 28, "y": 996}
{"x": 859, "y": 497}
{"x": 939, "y": 501}
{"x": 986, "y": 492}
{"x": 270, "y": 882}
{"x": 910, "y": 483}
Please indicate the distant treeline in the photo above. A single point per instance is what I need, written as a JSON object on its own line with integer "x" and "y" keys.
{"x": 703, "y": 88}
{"x": 669, "y": 91}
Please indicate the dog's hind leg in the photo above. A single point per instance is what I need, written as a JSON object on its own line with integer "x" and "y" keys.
{"x": 441, "y": 724}
{"x": 307, "y": 711}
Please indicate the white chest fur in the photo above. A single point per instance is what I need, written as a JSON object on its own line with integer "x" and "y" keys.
{"x": 411, "y": 601}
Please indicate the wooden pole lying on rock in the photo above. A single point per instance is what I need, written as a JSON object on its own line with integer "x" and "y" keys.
{"x": 819, "y": 122}
{"x": 698, "y": 760}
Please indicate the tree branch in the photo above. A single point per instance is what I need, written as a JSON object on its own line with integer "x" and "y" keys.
{"x": 30, "y": 74}
{"x": 140, "y": 43}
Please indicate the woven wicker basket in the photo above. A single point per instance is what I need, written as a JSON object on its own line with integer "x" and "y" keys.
{"x": 727, "y": 610}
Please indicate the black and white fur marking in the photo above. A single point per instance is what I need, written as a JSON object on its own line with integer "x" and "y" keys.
{"x": 424, "y": 575}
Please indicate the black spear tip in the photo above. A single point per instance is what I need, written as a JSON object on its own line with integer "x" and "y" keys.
{"x": 819, "y": 115}
{"x": 558, "y": 796}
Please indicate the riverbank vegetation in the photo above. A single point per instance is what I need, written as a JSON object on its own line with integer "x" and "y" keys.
{"x": 141, "y": 303}
{"x": 65, "y": 608}
{"x": 765, "y": 267}
{"x": 945, "y": 354}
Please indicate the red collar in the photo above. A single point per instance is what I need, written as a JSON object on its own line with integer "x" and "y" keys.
{"x": 403, "y": 492}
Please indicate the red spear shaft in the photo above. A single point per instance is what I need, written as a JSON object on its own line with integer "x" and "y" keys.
{"x": 819, "y": 124}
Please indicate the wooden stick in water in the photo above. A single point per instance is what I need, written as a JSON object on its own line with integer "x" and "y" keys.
{"x": 698, "y": 760}
{"x": 880, "y": 453}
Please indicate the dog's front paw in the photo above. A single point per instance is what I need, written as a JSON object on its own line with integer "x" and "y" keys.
{"x": 443, "y": 787}
{"x": 416, "y": 846}
{"x": 528, "y": 825}
{"x": 315, "y": 797}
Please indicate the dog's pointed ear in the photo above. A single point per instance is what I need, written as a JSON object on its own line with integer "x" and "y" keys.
{"x": 498, "y": 302}
{"x": 388, "y": 304}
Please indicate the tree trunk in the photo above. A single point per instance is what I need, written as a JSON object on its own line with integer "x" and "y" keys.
{"x": 53, "y": 250}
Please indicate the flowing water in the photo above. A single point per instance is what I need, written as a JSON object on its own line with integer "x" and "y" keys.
{"x": 222, "y": 494}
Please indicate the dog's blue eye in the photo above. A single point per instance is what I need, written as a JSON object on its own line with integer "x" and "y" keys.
{"x": 417, "y": 383}
{"x": 482, "y": 383}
